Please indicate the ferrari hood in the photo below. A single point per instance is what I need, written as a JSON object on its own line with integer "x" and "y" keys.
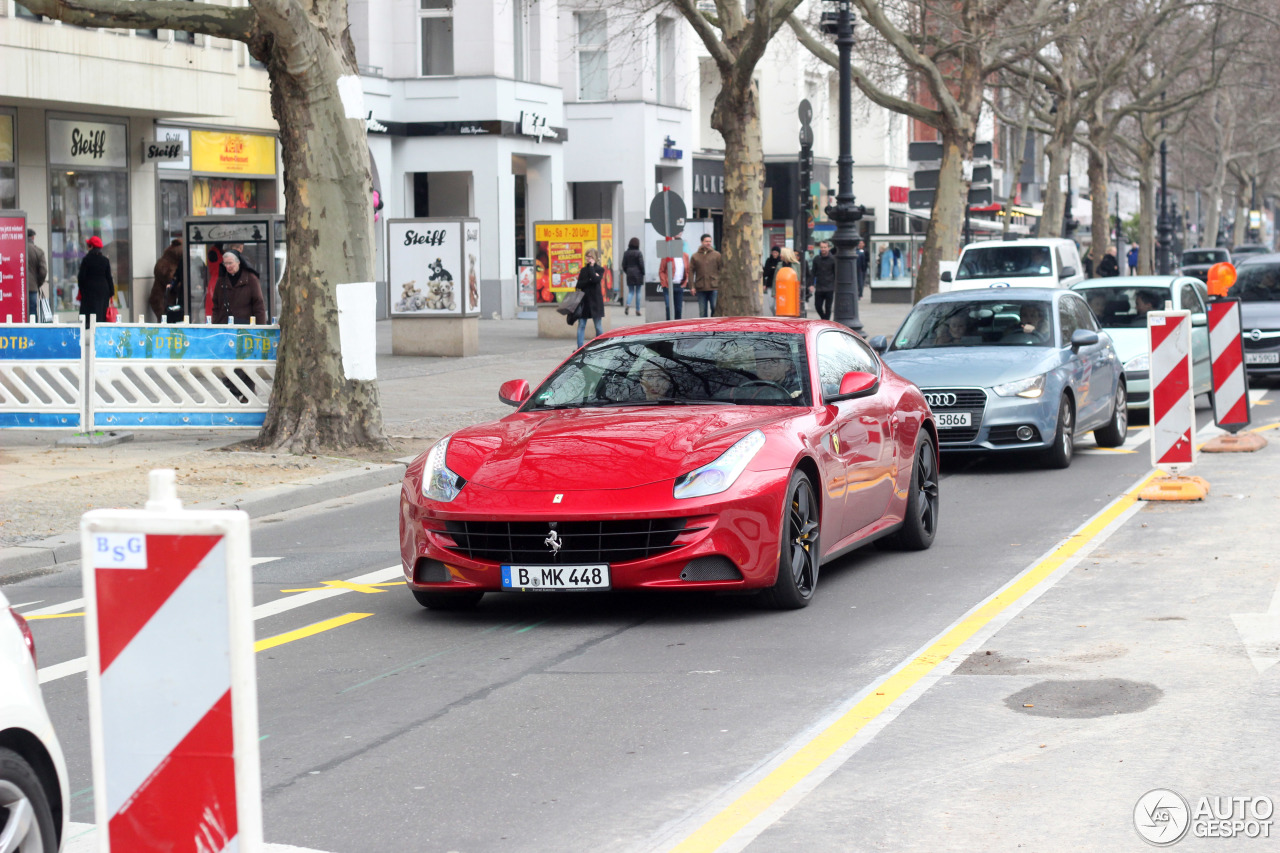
{"x": 607, "y": 448}
{"x": 980, "y": 367}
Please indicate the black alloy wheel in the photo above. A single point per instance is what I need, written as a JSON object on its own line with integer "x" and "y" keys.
{"x": 920, "y": 520}
{"x": 800, "y": 551}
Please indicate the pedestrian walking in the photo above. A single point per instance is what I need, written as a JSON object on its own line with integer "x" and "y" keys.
{"x": 822, "y": 280}
{"x": 1109, "y": 266}
{"x": 771, "y": 270}
{"x": 863, "y": 263}
{"x": 37, "y": 274}
{"x": 674, "y": 273}
{"x": 633, "y": 272}
{"x": 1133, "y": 260}
{"x": 592, "y": 305}
{"x": 95, "y": 283}
{"x": 237, "y": 295}
{"x": 704, "y": 276}
{"x": 166, "y": 298}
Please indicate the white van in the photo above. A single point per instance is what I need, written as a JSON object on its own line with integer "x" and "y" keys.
{"x": 1051, "y": 262}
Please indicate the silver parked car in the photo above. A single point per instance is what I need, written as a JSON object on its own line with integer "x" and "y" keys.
{"x": 1012, "y": 369}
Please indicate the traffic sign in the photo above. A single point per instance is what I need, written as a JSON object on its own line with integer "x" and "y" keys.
{"x": 667, "y": 213}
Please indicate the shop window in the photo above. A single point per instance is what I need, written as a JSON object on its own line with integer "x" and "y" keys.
{"x": 83, "y": 204}
{"x": 229, "y": 196}
{"x": 435, "y": 19}
{"x": 593, "y": 56}
{"x": 8, "y": 168}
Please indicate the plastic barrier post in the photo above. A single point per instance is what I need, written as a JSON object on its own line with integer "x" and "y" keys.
{"x": 1230, "y": 381}
{"x": 1173, "y": 414}
{"x": 172, "y": 692}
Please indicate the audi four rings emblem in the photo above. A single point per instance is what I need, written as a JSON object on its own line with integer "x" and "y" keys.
{"x": 940, "y": 400}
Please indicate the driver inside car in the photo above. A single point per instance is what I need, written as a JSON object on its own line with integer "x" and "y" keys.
{"x": 1032, "y": 322}
{"x": 778, "y": 371}
{"x": 655, "y": 382}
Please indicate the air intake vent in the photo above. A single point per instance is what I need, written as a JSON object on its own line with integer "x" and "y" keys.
{"x": 714, "y": 568}
{"x": 427, "y": 570}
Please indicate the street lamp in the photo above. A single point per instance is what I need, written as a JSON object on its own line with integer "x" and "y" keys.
{"x": 845, "y": 212}
{"x": 1164, "y": 228}
{"x": 1068, "y": 221}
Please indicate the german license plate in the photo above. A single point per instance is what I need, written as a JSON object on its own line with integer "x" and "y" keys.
{"x": 1262, "y": 358}
{"x": 949, "y": 420}
{"x": 536, "y": 578}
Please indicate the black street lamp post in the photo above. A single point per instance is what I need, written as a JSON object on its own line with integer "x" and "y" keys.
{"x": 1069, "y": 223}
{"x": 845, "y": 212}
{"x": 1164, "y": 227}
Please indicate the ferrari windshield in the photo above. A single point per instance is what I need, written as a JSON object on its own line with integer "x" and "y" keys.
{"x": 1257, "y": 283}
{"x": 765, "y": 369}
{"x": 1005, "y": 262}
{"x": 977, "y": 323}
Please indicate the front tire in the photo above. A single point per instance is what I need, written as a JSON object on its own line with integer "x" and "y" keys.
{"x": 26, "y": 819}
{"x": 800, "y": 552}
{"x": 1117, "y": 429}
{"x": 448, "y": 600}
{"x": 1064, "y": 440}
{"x": 920, "y": 520}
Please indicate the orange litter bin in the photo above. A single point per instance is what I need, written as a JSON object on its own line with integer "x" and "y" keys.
{"x": 786, "y": 288}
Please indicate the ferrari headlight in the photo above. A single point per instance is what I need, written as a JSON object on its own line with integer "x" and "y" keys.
{"x": 714, "y": 477}
{"x": 438, "y": 482}
{"x": 1139, "y": 362}
{"x": 1032, "y": 386}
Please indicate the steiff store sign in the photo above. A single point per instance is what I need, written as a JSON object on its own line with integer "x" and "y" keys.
{"x": 87, "y": 143}
{"x": 219, "y": 153}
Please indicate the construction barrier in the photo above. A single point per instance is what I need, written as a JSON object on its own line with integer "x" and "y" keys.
{"x": 172, "y": 691}
{"x": 1173, "y": 414}
{"x": 139, "y": 375}
{"x": 41, "y": 376}
{"x": 1226, "y": 351}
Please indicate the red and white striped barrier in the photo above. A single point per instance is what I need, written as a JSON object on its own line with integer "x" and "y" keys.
{"x": 1173, "y": 414}
{"x": 172, "y": 694}
{"x": 1226, "y": 350}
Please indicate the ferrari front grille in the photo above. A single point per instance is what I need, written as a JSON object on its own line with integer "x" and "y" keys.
{"x": 566, "y": 542}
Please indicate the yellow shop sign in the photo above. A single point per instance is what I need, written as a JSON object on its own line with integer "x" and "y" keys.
{"x": 232, "y": 153}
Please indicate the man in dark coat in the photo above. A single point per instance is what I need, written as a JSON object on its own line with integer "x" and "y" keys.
{"x": 592, "y": 304}
{"x": 37, "y": 272}
{"x": 95, "y": 282}
{"x": 238, "y": 293}
{"x": 822, "y": 280}
{"x": 166, "y": 288}
{"x": 1109, "y": 266}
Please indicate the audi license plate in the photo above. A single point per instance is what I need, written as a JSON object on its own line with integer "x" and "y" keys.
{"x": 949, "y": 420}
{"x": 1262, "y": 358}
{"x": 536, "y": 578}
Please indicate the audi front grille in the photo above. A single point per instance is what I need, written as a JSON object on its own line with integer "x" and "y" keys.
{"x": 971, "y": 400}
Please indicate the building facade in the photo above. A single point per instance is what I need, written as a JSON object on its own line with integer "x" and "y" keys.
{"x": 78, "y": 109}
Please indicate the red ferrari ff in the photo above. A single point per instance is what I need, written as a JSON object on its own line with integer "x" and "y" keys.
{"x": 727, "y": 454}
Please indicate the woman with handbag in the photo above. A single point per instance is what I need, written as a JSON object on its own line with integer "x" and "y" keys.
{"x": 95, "y": 283}
{"x": 592, "y": 305}
{"x": 166, "y": 287}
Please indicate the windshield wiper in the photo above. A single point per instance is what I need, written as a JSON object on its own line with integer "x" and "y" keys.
{"x": 663, "y": 401}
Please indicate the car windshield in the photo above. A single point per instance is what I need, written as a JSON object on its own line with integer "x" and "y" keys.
{"x": 1204, "y": 256}
{"x": 977, "y": 323}
{"x": 1005, "y": 262}
{"x": 1125, "y": 307}
{"x": 1257, "y": 283}
{"x": 766, "y": 369}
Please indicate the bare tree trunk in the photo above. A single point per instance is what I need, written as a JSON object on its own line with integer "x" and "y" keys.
{"x": 737, "y": 117}
{"x": 1015, "y": 168}
{"x": 327, "y": 187}
{"x": 1214, "y": 203}
{"x": 1100, "y": 230}
{"x": 942, "y": 240}
{"x": 1054, "y": 196}
{"x": 1147, "y": 208}
{"x": 1241, "y": 230}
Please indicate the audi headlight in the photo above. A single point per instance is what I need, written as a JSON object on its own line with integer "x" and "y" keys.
{"x": 1032, "y": 386}
{"x": 1139, "y": 362}
{"x": 714, "y": 477}
{"x": 438, "y": 482}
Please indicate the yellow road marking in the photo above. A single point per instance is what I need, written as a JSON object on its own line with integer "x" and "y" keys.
{"x": 53, "y": 616}
{"x": 368, "y": 589}
{"x": 719, "y": 829}
{"x": 1264, "y": 428}
{"x": 308, "y": 631}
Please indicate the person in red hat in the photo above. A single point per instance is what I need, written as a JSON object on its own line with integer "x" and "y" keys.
{"x": 96, "y": 284}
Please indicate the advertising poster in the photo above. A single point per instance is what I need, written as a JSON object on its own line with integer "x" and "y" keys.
{"x": 606, "y": 257}
{"x": 560, "y": 249}
{"x": 425, "y": 266}
{"x": 13, "y": 267}
{"x": 526, "y": 275}
{"x": 471, "y": 260}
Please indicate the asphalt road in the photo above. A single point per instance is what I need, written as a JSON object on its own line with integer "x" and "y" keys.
{"x": 578, "y": 721}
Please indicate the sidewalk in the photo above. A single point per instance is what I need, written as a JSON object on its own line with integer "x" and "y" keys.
{"x": 44, "y": 489}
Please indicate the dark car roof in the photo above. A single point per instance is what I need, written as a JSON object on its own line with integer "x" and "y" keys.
{"x": 1260, "y": 258}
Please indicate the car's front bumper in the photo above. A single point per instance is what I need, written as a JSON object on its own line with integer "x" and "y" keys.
{"x": 1265, "y": 347}
{"x": 997, "y": 422}
{"x": 732, "y": 540}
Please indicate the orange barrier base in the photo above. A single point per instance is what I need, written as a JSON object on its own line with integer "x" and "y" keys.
{"x": 1175, "y": 489}
{"x": 1244, "y": 442}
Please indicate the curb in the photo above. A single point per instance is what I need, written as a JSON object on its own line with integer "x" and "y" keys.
{"x": 18, "y": 562}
